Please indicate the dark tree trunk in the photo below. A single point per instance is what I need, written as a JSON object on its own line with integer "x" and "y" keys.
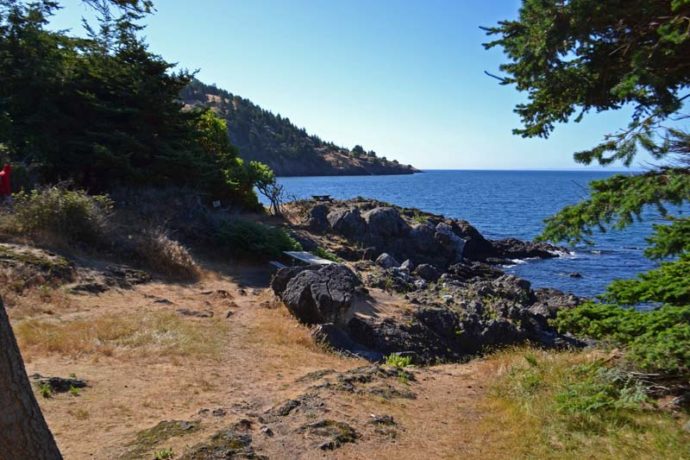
{"x": 24, "y": 434}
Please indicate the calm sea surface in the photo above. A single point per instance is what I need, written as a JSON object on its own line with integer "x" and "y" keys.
{"x": 504, "y": 204}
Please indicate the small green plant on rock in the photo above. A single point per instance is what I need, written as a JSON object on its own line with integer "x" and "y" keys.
{"x": 45, "y": 390}
{"x": 324, "y": 254}
{"x": 164, "y": 454}
{"x": 398, "y": 361}
{"x": 74, "y": 391}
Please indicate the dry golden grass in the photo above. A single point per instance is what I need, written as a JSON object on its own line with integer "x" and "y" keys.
{"x": 149, "y": 333}
{"x": 38, "y": 300}
{"x": 524, "y": 420}
{"x": 166, "y": 256}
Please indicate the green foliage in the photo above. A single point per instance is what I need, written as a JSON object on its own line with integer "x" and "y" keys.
{"x": 164, "y": 454}
{"x": 70, "y": 214}
{"x": 398, "y": 361}
{"x": 45, "y": 390}
{"x": 597, "y": 390}
{"x": 245, "y": 238}
{"x": 669, "y": 284}
{"x": 104, "y": 111}
{"x": 324, "y": 254}
{"x": 657, "y": 340}
{"x": 74, "y": 391}
{"x": 582, "y": 391}
{"x": 619, "y": 201}
{"x": 571, "y": 406}
{"x": 587, "y": 55}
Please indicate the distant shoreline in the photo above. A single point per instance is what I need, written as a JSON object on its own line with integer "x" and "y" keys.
{"x": 421, "y": 171}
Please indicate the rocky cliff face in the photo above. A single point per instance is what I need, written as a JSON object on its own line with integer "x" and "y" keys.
{"x": 287, "y": 149}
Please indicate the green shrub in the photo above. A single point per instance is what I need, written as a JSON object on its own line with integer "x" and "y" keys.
{"x": 593, "y": 388}
{"x": 656, "y": 340}
{"x": 324, "y": 254}
{"x": 73, "y": 215}
{"x": 245, "y": 238}
{"x": 164, "y": 454}
{"x": 398, "y": 361}
{"x": 45, "y": 390}
{"x": 668, "y": 284}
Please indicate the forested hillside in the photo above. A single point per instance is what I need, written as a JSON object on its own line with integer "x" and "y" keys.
{"x": 102, "y": 111}
{"x": 287, "y": 149}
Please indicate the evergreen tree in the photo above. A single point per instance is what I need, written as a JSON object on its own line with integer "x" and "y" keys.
{"x": 577, "y": 56}
{"x": 105, "y": 111}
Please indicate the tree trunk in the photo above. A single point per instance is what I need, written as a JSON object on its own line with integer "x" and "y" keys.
{"x": 24, "y": 434}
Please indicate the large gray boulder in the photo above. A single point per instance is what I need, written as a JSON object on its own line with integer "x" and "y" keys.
{"x": 282, "y": 277}
{"x": 386, "y": 260}
{"x": 317, "y": 218}
{"x": 452, "y": 243}
{"x": 384, "y": 221}
{"x": 321, "y": 296}
{"x": 348, "y": 222}
{"x": 427, "y": 272}
{"x": 422, "y": 238}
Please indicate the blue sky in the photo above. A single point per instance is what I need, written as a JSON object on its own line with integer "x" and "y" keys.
{"x": 404, "y": 78}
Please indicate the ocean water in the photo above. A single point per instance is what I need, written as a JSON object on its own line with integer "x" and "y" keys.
{"x": 503, "y": 204}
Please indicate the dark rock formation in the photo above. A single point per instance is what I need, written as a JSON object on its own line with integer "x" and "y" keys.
{"x": 336, "y": 433}
{"x": 410, "y": 234}
{"x": 386, "y": 260}
{"x": 384, "y": 222}
{"x": 512, "y": 248}
{"x": 348, "y": 222}
{"x": 233, "y": 442}
{"x": 427, "y": 272}
{"x": 459, "y": 304}
{"x": 317, "y": 218}
{"x": 58, "y": 384}
{"x": 319, "y": 296}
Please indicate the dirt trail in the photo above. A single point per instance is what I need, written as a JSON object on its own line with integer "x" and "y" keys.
{"x": 264, "y": 355}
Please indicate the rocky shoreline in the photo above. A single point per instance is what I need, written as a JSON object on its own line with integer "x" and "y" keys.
{"x": 452, "y": 300}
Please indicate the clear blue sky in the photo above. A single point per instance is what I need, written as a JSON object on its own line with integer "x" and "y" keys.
{"x": 404, "y": 78}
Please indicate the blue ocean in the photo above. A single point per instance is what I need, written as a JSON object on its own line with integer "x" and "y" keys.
{"x": 505, "y": 204}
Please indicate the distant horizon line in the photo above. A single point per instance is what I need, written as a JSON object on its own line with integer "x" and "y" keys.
{"x": 538, "y": 169}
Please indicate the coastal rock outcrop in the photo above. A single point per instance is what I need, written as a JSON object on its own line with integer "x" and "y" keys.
{"x": 455, "y": 299}
{"x": 348, "y": 222}
{"x": 384, "y": 222}
{"x": 404, "y": 234}
{"x": 450, "y": 319}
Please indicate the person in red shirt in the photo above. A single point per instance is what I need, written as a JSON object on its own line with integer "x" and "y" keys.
{"x": 5, "y": 184}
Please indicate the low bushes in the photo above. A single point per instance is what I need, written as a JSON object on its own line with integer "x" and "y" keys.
{"x": 574, "y": 405}
{"x": 56, "y": 212}
{"x": 656, "y": 340}
{"x": 156, "y": 250}
{"x": 245, "y": 238}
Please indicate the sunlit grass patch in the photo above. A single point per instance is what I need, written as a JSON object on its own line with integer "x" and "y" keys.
{"x": 159, "y": 333}
{"x": 573, "y": 405}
